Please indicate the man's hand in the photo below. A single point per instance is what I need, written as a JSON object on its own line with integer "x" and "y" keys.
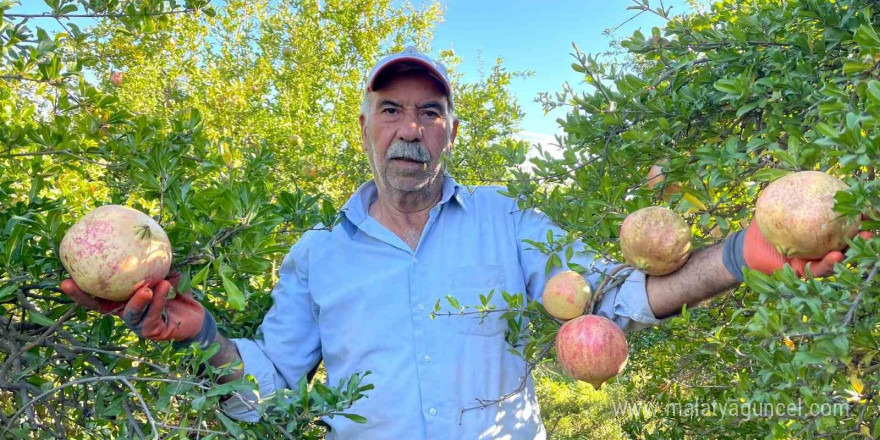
{"x": 151, "y": 315}
{"x": 751, "y": 249}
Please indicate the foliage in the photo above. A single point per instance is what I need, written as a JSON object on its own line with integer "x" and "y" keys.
{"x": 573, "y": 410}
{"x": 236, "y": 128}
{"x": 731, "y": 99}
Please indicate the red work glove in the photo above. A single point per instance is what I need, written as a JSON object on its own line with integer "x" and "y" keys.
{"x": 750, "y": 249}
{"x": 151, "y": 315}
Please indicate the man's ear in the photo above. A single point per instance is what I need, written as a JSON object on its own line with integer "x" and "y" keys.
{"x": 454, "y": 133}
{"x": 363, "y": 121}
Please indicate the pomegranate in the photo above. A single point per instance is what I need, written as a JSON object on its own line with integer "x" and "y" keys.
{"x": 795, "y": 213}
{"x": 655, "y": 240}
{"x": 566, "y": 295}
{"x": 295, "y": 140}
{"x": 116, "y": 78}
{"x": 656, "y": 177}
{"x": 592, "y": 349}
{"x": 113, "y": 250}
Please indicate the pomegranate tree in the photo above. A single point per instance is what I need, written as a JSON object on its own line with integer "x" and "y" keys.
{"x": 113, "y": 250}
{"x": 796, "y": 214}
{"x": 655, "y": 240}
{"x": 592, "y": 349}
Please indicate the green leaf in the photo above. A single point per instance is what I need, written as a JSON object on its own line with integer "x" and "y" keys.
{"x": 234, "y": 296}
{"x": 223, "y": 389}
{"x": 746, "y": 108}
{"x": 230, "y": 425}
{"x": 807, "y": 358}
{"x": 185, "y": 282}
{"x": 873, "y": 88}
{"x": 201, "y": 275}
{"x": 856, "y": 67}
{"x": 867, "y": 38}
{"x": 7, "y": 290}
{"x": 727, "y": 86}
{"x": 354, "y": 417}
{"x": 453, "y": 302}
{"x": 198, "y": 403}
{"x": 39, "y": 318}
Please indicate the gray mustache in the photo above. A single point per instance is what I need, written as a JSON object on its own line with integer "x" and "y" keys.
{"x": 408, "y": 150}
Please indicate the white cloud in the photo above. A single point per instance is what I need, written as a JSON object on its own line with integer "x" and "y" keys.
{"x": 533, "y": 137}
{"x": 548, "y": 143}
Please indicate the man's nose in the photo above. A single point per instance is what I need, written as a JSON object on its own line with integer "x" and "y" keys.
{"x": 410, "y": 128}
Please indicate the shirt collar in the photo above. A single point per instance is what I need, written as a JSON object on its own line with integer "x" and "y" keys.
{"x": 357, "y": 206}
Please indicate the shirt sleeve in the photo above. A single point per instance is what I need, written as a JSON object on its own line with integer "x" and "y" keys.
{"x": 290, "y": 345}
{"x": 627, "y": 305}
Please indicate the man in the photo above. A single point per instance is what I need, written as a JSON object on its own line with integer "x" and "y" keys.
{"x": 359, "y": 296}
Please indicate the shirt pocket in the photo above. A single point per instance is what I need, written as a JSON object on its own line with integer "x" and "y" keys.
{"x": 466, "y": 284}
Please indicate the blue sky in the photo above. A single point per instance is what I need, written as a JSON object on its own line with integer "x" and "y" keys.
{"x": 537, "y": 35}
{"x": 530, "y": 35}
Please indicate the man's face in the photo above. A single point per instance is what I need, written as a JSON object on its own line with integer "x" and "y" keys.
{"x": 407, "y": 132}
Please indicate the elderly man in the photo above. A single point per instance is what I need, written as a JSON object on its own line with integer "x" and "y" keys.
{"x": 359, "y": 296}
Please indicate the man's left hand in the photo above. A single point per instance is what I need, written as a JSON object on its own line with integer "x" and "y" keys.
{"x": 762, "y": 256}
{"x": 751, "y": 249}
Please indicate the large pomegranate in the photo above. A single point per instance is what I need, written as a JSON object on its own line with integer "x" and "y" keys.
{"x": 655, "y": 240}
{"x": 566, "y": 295}
{"x": 795, "y": 213}
{"x": 114, "y": 249}
{"x": 592, "y": 349}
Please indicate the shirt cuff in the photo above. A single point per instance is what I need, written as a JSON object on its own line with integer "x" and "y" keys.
{"x": 628, "y": 305}
{"x": 243, "y": 406}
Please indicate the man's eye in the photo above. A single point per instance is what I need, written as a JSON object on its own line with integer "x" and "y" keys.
{"x": 389, "y": 111}
{"x": 432, "y": 114}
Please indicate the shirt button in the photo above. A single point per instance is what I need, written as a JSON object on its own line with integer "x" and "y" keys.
{"x": 415, "y": 260}
{"x": 427, "y": 359}
{"x": 432, "y": 411}
{"x": 421, "y": 307}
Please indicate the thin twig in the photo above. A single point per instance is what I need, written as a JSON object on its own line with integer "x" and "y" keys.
{"x": 85, "y": 380}
{"x": 24, "y": 78}
{"x": 143, "y": 406}
{"x": 42, "y": 337}
{"x": 855, "y": 305}
{"x": 669, "y": 72}
{"x": 530, "y": 366}
{"x": 615, "y": 28}
{"x": 610, "y": 282}
{"x": 134, "y": 424}
{"x": 98, "y": 15}
{"x": 156, "y": 367}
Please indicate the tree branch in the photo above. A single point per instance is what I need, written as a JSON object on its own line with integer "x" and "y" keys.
{"x": 98, "y": 15}
{"x": 530, "y": 366}
{"x": 855, "y": 305}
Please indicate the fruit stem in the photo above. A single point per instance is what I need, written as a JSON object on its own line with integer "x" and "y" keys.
{"x": 605, "y": 286}
{"x": 143, "y": 232}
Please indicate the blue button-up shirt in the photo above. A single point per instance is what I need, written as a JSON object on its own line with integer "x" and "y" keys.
{"x": 360, "y": 299}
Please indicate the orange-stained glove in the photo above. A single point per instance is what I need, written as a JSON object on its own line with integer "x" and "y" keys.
{"x": 151, "y": 315}
{"x": 749, "y": 248}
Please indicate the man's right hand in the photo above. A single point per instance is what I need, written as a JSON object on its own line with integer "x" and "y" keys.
{"x": 151, "y": 315}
